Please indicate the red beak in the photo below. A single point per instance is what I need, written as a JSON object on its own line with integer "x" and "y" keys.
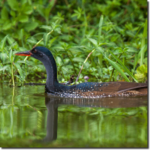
{"x": 26, "y": 53}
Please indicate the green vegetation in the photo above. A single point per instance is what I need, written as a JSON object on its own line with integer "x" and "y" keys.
{"x": 115, "y": 31}
{"x": 106, "y": 39}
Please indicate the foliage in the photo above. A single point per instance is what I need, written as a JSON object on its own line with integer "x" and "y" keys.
{"x": 115, "y": 30}
{"x": 141, "y": 74}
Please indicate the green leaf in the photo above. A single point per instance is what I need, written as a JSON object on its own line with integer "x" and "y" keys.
{"x": 3, "y": 57}
{"x": 12, "y": 13}
{"x": 23, "y": 18}
{"x": 145, "y": 61}
{"x": 31, "y": 26}
{"x": 143, "y": 43}
{"x": 116, "y": 66}
{"x": 13, "y": 4}
{"x": 142, "y": 69}
{"x": 123, "y": 66}
{"x": 28, "y": 9}
{"x": 7, "y": 25}
{"x": 10, "y": 40}
{"x": 58, "y": 60}
{"x": 141, "y": 53}
{"x": 135, "y": 61}
{"x": 19, "y": 69}
{"x": 45, "y": 12}
{"x": 32, "y": 40}
{"x": 100, "y": 28}
{"x": 20, "y": 33}
{"x": 4, "y": 13}
{"x": 11, "y": 57}
{"x": 23, "y": 1}
{"x": 3, "y": 68}
{"x": 140, "y": 77}
{"x": 144, "y": 36}
{"x": 45, "y": 39}
{"x": 3, "y": 42}
{"x": 52, "y": 41}
{"x": 78, "y": 13}
{"x": 46, "y": 27}
{"x": 93, "y": 41}
{"x": 78, "y": 59}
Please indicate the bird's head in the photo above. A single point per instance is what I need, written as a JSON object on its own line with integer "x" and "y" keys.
{"x": 39, "y": 53}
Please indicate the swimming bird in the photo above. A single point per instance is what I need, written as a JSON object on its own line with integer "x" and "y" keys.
{"x": 86, "y": 89}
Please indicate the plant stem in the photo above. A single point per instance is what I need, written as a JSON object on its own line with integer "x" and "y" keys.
{"x": 12, "y": 75}
{"x": 100, "y": 28}
{"x": 42, "y": 38}
{"x": 85, "y": 20}
{"x": 113, "y": 70}
{"x": 84, "y": 63}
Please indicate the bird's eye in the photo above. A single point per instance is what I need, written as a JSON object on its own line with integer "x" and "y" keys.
{"x": 34, "y": 51}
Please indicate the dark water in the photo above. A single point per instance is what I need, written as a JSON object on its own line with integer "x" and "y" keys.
{"x": 28, "y": 118}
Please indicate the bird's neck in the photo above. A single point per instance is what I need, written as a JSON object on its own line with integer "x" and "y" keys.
{"x": 51, "y": 71}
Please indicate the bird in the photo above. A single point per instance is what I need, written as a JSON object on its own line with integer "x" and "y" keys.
{"x": 70, "y": 81}
{"x": 85, "y": 89}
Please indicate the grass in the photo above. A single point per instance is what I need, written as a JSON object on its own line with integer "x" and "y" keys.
{"x": 109, "y": 46}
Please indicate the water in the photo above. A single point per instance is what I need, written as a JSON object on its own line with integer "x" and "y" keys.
{"x": 28, "y": 118}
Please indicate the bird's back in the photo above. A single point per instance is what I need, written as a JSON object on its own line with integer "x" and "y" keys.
{"x": 94, "y": 89}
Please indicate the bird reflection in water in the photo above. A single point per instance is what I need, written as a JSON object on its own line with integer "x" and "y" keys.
{"x": 52, "y": 102}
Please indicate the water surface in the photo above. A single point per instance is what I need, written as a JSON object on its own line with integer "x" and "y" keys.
{"x": 29, "y": 118}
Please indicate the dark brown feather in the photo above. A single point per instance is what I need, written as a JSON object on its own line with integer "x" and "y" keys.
{"x": 118, "y": 89}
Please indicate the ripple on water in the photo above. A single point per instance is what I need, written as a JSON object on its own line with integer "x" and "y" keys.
{"x": 91, "y": 95}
